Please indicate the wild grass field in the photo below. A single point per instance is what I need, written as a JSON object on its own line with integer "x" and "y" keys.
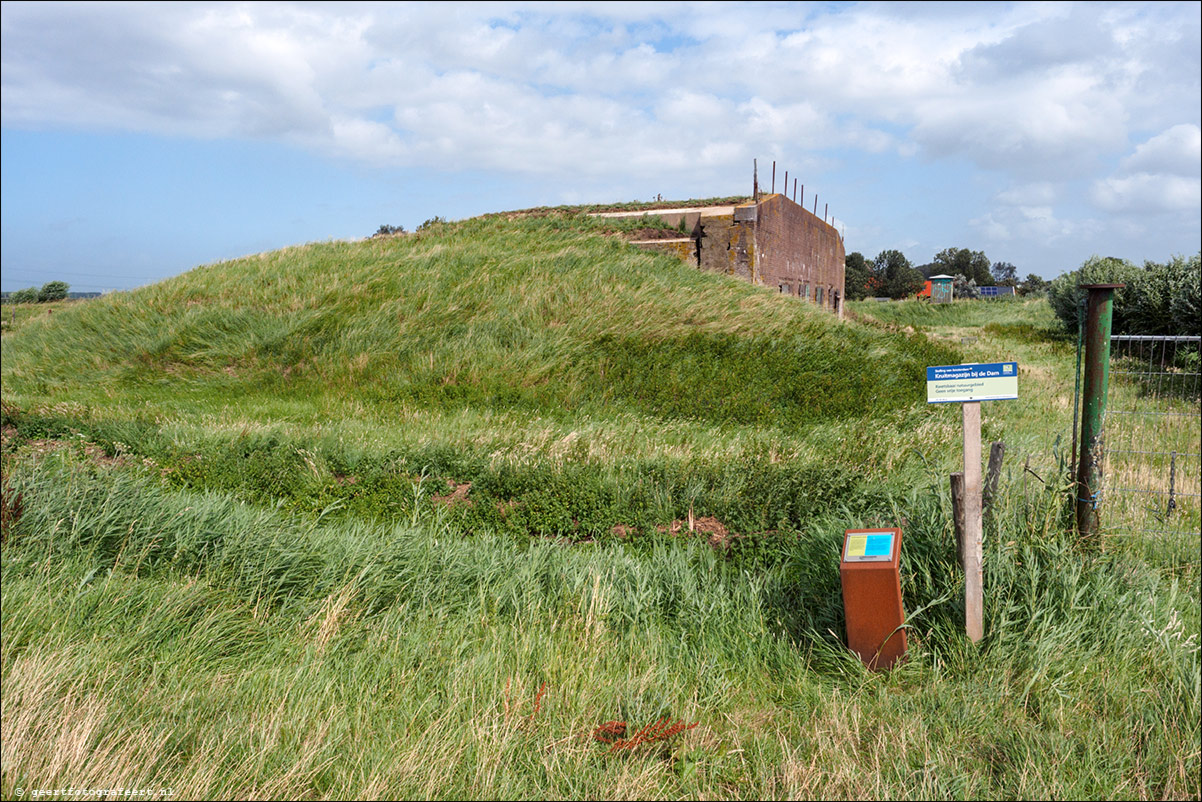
{"x": 411, "y": 517}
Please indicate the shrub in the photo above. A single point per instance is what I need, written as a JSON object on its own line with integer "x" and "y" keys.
{"x": 1157, "y": 299}
{"x": 963, "y": 287}
{"x": 1065, "y": 296}
{"x": 386, "y": 230}
{"x": 53, "y": 291}
{"x": 29, "y": 295}
{"x": 436, "y": 220}
{"x": 1185, "y": 287}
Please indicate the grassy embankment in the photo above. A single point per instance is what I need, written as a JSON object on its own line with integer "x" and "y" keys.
{"x": 231, "y": 576}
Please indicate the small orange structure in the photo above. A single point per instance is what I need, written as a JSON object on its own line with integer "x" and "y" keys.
{"x": 872, "y": 601}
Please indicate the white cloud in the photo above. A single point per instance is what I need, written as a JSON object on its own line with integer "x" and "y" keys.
{"x": 1163, "y": 174}
{"x": 1021, "y": 222}
{"x": 1038, "y": 192}
{"x": 1148, "y": 192}
{"x": 1177, "y": 151}
{"x": 1040, "y": 93}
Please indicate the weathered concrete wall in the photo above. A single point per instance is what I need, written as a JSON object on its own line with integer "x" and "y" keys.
{"x": 798, "y": 251}
{"x": 775, "y": 242}
{"x": 727, "y": 246}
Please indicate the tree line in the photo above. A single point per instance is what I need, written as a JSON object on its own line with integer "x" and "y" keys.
{"x": 1158, "y": 298}
{"x": 892, "y": 275}
{"x": 50, "y": 291}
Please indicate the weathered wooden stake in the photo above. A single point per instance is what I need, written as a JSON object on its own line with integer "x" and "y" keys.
{"x": 996, "y": 452}
{"x": 973, "y": 574}
{"x": 957, "y": 481}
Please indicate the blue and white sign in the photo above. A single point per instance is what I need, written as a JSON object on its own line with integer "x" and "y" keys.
{"x": 995, "y": 381}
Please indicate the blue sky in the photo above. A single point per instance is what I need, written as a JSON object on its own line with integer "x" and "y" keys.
{"x": 140, "y": 140}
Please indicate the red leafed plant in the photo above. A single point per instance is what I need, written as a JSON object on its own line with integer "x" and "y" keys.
{"x": 614, "y": 732}
{"x": 511, "y": 710}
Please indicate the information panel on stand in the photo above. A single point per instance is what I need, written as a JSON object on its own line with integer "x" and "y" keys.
{"x": 993, "y": 381}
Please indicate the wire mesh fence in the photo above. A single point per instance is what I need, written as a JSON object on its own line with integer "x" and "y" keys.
{"x": 1153, "y": 453}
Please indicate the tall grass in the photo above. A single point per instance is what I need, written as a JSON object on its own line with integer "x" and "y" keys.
{"x": 246, "y": 562}
{"x": 185, "y": 641}
{"x": 535, "y": 314}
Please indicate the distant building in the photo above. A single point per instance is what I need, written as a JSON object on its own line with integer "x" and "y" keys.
{"x": 774, "y": 242}
{"x": 939, "y": 289}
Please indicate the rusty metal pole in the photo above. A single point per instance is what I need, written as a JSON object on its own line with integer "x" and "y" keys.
{"x": 1098, "y": 316}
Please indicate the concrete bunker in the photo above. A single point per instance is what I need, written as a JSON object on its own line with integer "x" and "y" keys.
{"x": 773, "y": 242}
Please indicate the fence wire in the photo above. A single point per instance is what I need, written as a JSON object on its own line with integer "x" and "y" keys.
{"x": 1153, "y": 433}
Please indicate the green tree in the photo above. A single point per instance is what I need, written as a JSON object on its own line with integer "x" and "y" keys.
{"x": 857, "y": 276}
{"x": 1005, "y": 274}
{"x": 1033, "y": 285}
{"x": 900, "y": 279}
{"x": 970, "y": 264}
{"x": 53, "y": 291}
{"x": 29, "y": 295}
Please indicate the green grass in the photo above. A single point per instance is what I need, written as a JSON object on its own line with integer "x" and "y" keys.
{"x": 235, "y": 566}
{"x": 187, "y": 641}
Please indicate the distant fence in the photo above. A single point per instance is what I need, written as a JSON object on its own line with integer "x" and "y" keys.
{"x": 1152, "y": 477}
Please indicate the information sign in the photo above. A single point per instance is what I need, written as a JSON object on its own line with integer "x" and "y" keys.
{"x": 869, "y": 547}
{"x": 994, "y": 381}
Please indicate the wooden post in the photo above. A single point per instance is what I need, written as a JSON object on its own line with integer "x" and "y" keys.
{"x": 996, "y": 452}
{"x": 957, "y": 480}
{"x": 973, "y": 575}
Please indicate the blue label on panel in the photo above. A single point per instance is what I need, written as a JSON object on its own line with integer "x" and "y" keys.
{"x": 879, "y": 545}
{"x": 995, "y": 370}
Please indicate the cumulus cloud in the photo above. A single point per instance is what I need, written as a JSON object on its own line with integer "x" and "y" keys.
{"x": 1022, "y": 222}
{"x": 1160, "y": 175}
{"x": 1177, "y": 151}
{"x": 1036, "y": 92}
{"x": 1148, "y": 192}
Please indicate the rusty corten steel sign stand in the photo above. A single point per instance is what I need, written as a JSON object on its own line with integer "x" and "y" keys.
{"x": 870, "y": 573}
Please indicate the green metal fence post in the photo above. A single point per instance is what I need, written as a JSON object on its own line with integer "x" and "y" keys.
{"x": 1093, "y": 412}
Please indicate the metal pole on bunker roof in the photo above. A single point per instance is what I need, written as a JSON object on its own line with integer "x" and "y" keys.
{"x": 1098, "y": 317}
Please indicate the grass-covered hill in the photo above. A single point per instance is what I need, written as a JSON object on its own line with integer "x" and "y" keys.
{"x": 578, "y": 383}
{"x": 410, "y": 517}
{"x": 545, "y": 314}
